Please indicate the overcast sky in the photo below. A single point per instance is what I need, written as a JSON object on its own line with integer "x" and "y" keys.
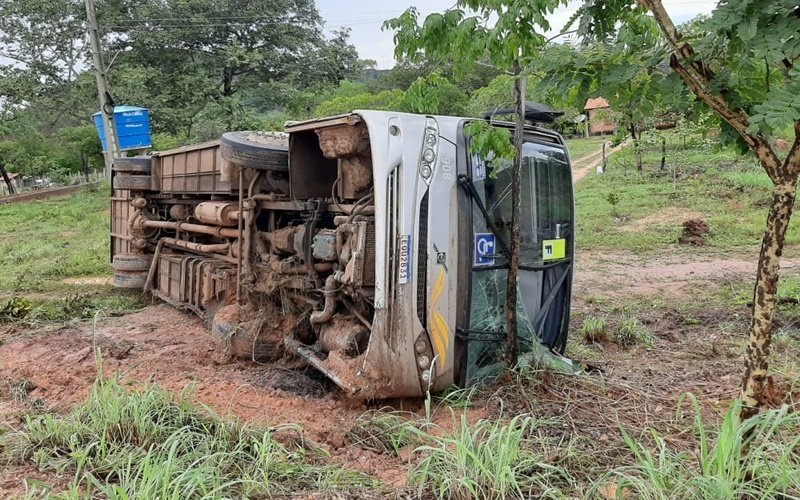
{"x": 365, "y": 19}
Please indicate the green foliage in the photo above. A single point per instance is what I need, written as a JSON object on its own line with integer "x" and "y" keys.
{"x": 632, "y": 332}
{"x": 497, "y": 95}
{"x": 500, "y": 30}
{"x": 75, "y": 306}
{"x": 594, "y": 329}
{"x": 432, "y": 94}
{"x": 386, "y": 431}
{"x": 757, "y": 458}
{"x": 202, "y": 67}
{"x": 386, "y": 100}
{"x": 435, "y": 95}
{"x": 626, "y": 69}
{"x": 144, "y": 444}
{"x": 489, "y": 142}
{"x": 14, "y": 309}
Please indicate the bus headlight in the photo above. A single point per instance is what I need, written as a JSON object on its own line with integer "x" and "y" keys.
{"x": 424, "y": 361}
{"x": 430, "y": 143}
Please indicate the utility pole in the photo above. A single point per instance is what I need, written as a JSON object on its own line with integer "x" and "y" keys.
{"x": 106, "y": 102}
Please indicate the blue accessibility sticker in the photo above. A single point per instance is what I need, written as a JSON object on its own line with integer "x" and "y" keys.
{"x": 485, "y": 248}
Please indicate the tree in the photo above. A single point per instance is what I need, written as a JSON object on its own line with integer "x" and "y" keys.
{"x": 44, "y": 43}
{"x": 629, "y": 69}
{"x": 741, "y": 63}
{"x": 508, "y": 44}
{"x": 435, "y": 95}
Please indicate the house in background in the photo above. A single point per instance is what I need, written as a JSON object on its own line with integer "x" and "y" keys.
{"x": 599, "y": 112}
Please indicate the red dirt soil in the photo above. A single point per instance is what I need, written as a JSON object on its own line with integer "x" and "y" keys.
{"x": 174, "y": 350}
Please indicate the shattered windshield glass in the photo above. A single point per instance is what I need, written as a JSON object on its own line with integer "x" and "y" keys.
{"x": 546, "y": 243}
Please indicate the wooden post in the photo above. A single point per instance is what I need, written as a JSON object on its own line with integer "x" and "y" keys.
{"x": 605, "y": 160}
{"x": 663, "y": 153}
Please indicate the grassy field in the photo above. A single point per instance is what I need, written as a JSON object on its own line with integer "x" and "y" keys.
{"x": 43, "y": 243}
{"x": 578, "y": 148}
{"x": 625, "y": 209}
{"x": 50, "y": 253}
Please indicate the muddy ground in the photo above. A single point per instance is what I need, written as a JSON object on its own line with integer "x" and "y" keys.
{"x": 54, "y": 369}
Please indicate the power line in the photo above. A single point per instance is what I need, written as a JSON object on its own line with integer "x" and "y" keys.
{"x": 116, "y": 27}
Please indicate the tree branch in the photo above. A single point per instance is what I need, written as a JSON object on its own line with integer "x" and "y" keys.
{"x": 697, "y": 77}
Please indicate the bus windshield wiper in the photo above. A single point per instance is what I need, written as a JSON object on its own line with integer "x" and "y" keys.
{"x": 469, "y": 188}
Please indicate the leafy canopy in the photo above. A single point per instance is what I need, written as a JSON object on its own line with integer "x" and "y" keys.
{"x": 502, "y": 31}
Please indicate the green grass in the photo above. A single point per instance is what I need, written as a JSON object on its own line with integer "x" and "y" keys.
{"x": 578, "y": 148}
{"x": 632, "y": 332}
{"x": 727, "y": 190}
{"x": 144, "y": 444}
{"x": 44, "y": 242}
{"x": 385, "y": 431}
{"x": 594, "y": 329}
{"x": 33, "y": 312}
{"x": 759, "y": 458}
{"x": 489, "y": 460}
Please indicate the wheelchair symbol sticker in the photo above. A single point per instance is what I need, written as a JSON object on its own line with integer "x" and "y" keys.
{"x": 485, "y": 248}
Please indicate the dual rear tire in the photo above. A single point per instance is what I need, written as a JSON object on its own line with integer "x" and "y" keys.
{"x": 130, "y": 271}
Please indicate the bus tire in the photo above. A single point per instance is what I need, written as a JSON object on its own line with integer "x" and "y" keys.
{"x": 259, "y": 150}
{"x": 130, "y": 280}
{"x": 132, "y": 182}
{"x": 132, "y": 263}
{"x": 239, "y": 341}
{"x": 135, "y": 165}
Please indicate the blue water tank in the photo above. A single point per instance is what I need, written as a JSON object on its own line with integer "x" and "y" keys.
{"x": 133, "y": 127}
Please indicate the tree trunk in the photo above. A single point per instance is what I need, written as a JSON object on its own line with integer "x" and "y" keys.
{"x": 11, "y": 189}
{"x": 227, "y": 82}
{"x": 637, "y": 153}
{"x": 760, "y": 335}
{"x": 512, "y": 345}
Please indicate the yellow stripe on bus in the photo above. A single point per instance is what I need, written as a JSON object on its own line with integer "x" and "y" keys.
{"x": 438, "y": 325}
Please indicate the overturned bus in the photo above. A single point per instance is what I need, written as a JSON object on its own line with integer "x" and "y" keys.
{"x": 372, "y": 246}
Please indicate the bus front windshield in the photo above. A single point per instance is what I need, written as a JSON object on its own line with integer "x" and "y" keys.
{"x": 546, "y": 233}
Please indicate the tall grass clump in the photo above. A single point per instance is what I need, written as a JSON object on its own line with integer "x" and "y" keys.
{"x": 144, "y": 444}
{"x": 632, "y": 332}
{"x": 594, "y": 329}
{"x": 757, "y": 458}
{"x": 487, "y": 460}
